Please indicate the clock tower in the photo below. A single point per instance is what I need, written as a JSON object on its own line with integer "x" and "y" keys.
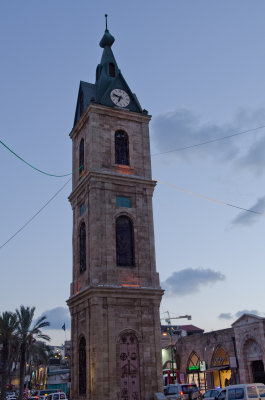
{"x": 115, "y": 291}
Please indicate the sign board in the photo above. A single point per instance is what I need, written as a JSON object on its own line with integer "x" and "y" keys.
{"x": 202, "y": 366}
{"x": 232, "y": 362}
{"x": 194, "y": 367}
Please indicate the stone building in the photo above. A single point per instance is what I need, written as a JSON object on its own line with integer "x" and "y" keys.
{"x": 115, "y": 292}
{"x": 219, "y": 358}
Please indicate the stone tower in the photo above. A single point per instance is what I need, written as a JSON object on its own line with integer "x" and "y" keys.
{"x": 115, "y": 292}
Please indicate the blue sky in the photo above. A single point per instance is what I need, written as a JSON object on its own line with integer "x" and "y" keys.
{"x": 198, "y": 67}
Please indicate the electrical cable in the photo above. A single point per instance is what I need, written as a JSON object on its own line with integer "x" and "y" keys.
{"x": 152, "y": 155}
{"x": 37, "y": 169}
{"x": 158, "y": 180}
{"x": 37, "y": 213}
{"x": 210, "y": 199}
{"x": 209, "y": 141}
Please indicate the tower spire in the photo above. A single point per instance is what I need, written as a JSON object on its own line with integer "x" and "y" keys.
{"x": 107, "y": 39}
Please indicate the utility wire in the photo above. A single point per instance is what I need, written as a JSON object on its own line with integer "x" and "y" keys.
{"x": 209, "y": 141}
{"x": 32, "y": 166}
{"x": 210, "y": 198}
{"x": 37, "y": 213}
{"x": 152, "y": 155}
{"x": 164, "y": 183}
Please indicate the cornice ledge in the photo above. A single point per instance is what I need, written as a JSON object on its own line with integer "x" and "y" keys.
{"x": 114, "y": 291}
{"x": 112, "y": 176}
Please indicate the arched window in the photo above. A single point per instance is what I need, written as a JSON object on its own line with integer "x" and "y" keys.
{"x": 81, "y": 156}
{"x": 82, "y": 366}
{"x": 112, "y": 70}
{"x": 220, "y": 357}
{"x": 121, "y": 148}
{"x": 124, "y": 242}
{"x": 193, "y": 363}
{"x": 82, "y": 245}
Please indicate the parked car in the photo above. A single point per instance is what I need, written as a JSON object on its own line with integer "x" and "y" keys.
{"x": 211, "y": 394}
{"x": 182, "y": 391}
{"x": 45, "y": 392}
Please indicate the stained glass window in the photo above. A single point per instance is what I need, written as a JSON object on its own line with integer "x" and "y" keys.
{"x": 121, "y": 148}
{"x": 82, "y": 243}
{"x": 124, "y": 242}
{"x": 81, "y": 156}
{"x": 82, "y": 366}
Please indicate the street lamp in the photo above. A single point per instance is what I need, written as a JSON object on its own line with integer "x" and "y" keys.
{"x": 170, "y": 331}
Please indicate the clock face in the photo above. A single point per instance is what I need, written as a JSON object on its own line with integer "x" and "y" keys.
{"x": 120, "y": 97}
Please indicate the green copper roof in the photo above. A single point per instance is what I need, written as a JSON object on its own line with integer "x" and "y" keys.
{"x": 108, "y": 77}
{"x": 107, "y": 39}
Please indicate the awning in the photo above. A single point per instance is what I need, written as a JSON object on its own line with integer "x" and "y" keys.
{"x": 218, "y": 368}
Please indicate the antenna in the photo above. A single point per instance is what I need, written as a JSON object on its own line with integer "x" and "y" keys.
{"x": 106, "y": 16}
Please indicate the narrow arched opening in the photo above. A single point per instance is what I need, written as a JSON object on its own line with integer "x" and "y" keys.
{"x": 121, "y": 148}
{"x": 124, "y": 242}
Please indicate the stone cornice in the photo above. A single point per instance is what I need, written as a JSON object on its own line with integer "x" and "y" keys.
{"x": 112, "y": 177}
{"x": 115, "y": 292}
{"x": 115, "y": 112}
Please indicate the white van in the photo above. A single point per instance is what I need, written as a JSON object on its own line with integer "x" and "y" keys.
{"x": 57, "y": 396}
{"x": 247, "y": 391}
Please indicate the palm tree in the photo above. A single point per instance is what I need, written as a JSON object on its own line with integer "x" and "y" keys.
{"x": 8, "y": 326}
{"x": 28, "y": 333}
{"x": 38, "y": 355}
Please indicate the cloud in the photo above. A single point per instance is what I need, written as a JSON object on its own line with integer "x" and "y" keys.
{"x": 249, "y": 218}
{"x": 187, "y": 281}
{"x": 254, "y": 159}
{"x": 57, "y": 317}
{"x": 255, "y": 312}
{"x": 182, "y": 128}
{"x": 225, "y": 316}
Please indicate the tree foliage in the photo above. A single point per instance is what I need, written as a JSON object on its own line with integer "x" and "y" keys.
{"x": 20, "y": 341}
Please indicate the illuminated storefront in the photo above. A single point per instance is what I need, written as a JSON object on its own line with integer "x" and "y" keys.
{"x": 194, "y": 371}
{"x": 220, "y": 368}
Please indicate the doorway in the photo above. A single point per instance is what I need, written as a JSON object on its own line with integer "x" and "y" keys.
{"x": 258, "y": 372}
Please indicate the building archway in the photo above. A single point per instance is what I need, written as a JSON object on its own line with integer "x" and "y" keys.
{"x": 220, "y": 367}
{"x": 253, "y": 361}
{"x": 194, "y": 375}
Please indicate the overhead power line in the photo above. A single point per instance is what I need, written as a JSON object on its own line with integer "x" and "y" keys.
{"x": 209, "y": 141}
{"x": 158, "y": 180}
{"x": 35, "y": 215}
{"x": 153, "y": 155}
{"x": 37, "y": 169}
{"x": 210, "y": 198}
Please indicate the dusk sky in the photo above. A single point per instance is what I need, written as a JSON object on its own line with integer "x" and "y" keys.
{"x": 198, "y": 67}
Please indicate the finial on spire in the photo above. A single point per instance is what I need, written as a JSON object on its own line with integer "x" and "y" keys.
{"x": 107, "y": 39}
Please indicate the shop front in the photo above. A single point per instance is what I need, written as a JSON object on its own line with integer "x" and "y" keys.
{"x": 220, "y": 369}
{"x": 196, "y": 371}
